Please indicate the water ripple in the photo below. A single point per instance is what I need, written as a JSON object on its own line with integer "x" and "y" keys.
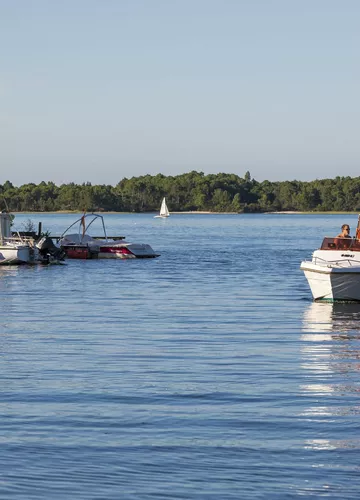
{"x": 205, "y": 374}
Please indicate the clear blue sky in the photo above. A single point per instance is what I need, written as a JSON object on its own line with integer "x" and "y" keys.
{"x": 101, "y": 90}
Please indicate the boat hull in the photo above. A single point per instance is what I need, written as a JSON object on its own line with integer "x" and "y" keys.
{"x": 19, "y": 254}
{"x": 333, "y": 283}
{"x": 128, "y": 251}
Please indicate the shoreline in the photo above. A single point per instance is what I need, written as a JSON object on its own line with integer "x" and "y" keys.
{"x": 75, "y": 212}
{"x": 293, "y": 212}
{"x": 203, "y": 212}
{"x": 194, "y": 212}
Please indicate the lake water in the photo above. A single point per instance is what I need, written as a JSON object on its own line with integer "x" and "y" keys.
{"x": 207, "y": 373}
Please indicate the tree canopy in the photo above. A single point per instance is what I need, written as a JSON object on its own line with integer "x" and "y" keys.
{"x": 193, "y": 191}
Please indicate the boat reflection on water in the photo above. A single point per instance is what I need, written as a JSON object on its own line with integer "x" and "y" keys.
{"x": 332, "y": 317}
{"x": 330, "y": 354}
{"x": 329, "y": 386}
{"x": 331, "y": 339}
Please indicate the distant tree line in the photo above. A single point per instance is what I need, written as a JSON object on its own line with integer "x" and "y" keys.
{"x": 191, "y": 191}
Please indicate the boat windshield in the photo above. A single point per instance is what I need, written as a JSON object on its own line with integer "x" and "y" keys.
{"x": 340, "y": 244}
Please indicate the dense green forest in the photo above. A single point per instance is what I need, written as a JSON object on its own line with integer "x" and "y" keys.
{"x": 191, "y": 191}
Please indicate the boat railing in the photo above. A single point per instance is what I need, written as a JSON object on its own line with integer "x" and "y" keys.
{"x": 335, "y": 263}
{"x": 19, "y": 239}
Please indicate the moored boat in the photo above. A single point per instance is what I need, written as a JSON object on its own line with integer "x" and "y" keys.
{"x": 15, "y": 248}
{"x": 14, "y": 252}
{"x": 81, "y": 245}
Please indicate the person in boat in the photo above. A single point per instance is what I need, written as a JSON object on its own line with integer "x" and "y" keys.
{"x": 342, "y": 240}
{"x": 345, "y": 231}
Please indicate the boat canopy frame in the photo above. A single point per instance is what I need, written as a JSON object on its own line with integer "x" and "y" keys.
{"x": 85, "y": 226}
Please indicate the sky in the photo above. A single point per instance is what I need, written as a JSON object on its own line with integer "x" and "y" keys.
{"x": 98, "y": 90}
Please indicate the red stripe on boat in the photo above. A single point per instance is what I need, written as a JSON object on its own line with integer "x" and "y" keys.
{"x": 120, "y": 250}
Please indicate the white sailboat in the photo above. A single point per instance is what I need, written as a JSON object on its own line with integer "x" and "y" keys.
{"x": 164, "y": 212}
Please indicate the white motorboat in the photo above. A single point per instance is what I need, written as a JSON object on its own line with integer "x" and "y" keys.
{"x": 81, "y": 245}
{"x": 13, "y": 252}
{"x": 164, "y": 212}
{"x": 333, "y": 273}
{"x": 15, "y": 248}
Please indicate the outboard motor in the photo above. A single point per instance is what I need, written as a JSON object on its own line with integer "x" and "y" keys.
{"x": 48, "y": 251}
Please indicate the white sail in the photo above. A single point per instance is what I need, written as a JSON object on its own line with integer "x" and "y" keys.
{"x": 164, "y": 212}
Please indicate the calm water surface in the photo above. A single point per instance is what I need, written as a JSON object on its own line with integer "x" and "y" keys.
{"x": 205, "y": 374}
